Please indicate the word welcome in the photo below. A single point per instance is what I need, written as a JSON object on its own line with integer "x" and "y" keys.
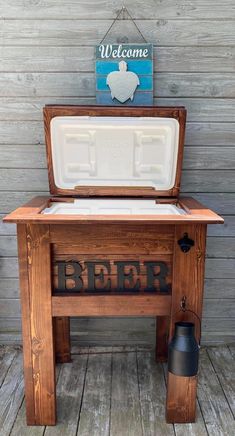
{"x": 125, "y": 277}
{"x": 117, "y": 52}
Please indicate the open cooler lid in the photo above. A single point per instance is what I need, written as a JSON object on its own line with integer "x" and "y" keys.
{"x": 114, "y": 152}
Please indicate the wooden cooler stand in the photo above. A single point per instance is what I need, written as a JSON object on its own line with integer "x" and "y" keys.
{"x": 46, "y": 239}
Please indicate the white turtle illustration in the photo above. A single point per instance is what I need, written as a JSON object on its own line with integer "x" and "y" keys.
{"x": 122, "y": 83}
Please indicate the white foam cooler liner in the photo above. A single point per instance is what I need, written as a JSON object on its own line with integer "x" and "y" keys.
{"x": 114, "y": 151}
{"x": 112, "y": 207}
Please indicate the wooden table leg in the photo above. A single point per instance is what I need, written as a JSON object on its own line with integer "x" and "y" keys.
{"x": 162, "y": 325}
{"x": 61, "y": 328}
{"x": 181, "y": 399}
{"x": 188, "y": 280}
{"x": 35, "y": 283}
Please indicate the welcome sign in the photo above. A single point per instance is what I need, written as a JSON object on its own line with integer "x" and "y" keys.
{"x": 124, "y": 74}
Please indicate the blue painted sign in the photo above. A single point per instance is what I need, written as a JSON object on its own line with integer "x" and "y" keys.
{"x": 124, "y": 74}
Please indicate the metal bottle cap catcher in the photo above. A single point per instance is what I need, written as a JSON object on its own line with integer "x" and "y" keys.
{"x": 183, "y": 350}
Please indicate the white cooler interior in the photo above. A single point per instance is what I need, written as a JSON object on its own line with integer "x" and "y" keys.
{"x": 112, "y": 207}
{"x": 114, "y": 151}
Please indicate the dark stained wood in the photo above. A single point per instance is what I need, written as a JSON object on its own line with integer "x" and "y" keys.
{"x": 162, "y": 329}
{"x": 111, "y": 305}
{"x": 112, "y": 276}
{"x": 119, "y": 239}
{"x": 193, "y": 428}
{"x": 113, "y": 245}
{"x": 40, "y": 316}
{"x": 188, "y": 280}
{"x": 181, "y": 399}
{"x": 188, "y": 275}
{"x": 61, "y": 332}
{"x": 125, "y": 237}
{"x": 195, "y": 213}
{"x": 26, "y": 323}
{"x": 85, "y": 242}
{"x": 51, "y": 111}
{"x": 46, "y": 239}
{"x": 114, "y": 191}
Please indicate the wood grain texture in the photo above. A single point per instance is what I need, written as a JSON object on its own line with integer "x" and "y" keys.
{"x": 188, "y": 280}
{"x": 152, "y": 393}
{"x": 218, "y": 307}
{"x": 116, "y": 305}
{"x": 195, "y": 212}
{"x": 72, "y": 59}
{"x": 6, "y": 230}
{"x": 192, "y": 181}
{"x": 200, "y": 158}
{"x": 213, "y": 417}
{"x": 217, "y": 246}
{"x": 20, "y": 426}
{"x": 103, "y": 9}
{"x": 61, "y": 333}
{"x": 8, "y": 246}
{"x": 125, "y": 411}
{"x": 118, "y": 238}
{"x": 122, "y": 331}
{"x": 11, "y": 199}
{"x": 220, "y": 247}
{"x": 88, "y": 33}
{"x": 162, "y": 327}
{"x": 12, "y": 392}
{"x": 41, "y": 337}
{"x": 70, "y": 387}
{"x": 63, "y": 84}
{"x": 227, "y": 230}
{"x": 222, "y": 203}
{"x": 210, "y": 396}
{"x": 224, "y": 366}
{"x": 96, "y": 404}
{"x": 7, "y": 356}
{"x": 181, "y": 399}
{"x": 25, "y": 156}
{"x": 193, "y": 428}
{"x": 198, "y": 109}
{"x": 54, "y": 39}
{"x": 26, "y": 322}
{"x": 197, "y": 133}
{"x": 215, "y": 268}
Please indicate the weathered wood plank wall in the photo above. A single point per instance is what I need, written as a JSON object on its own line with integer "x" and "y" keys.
{"x": 47, "y": 56}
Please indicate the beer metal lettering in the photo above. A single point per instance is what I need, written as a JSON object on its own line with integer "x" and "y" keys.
{"x": 99, "y": 278}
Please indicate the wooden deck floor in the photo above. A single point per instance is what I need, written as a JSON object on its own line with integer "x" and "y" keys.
{"x": 120, "y": 391}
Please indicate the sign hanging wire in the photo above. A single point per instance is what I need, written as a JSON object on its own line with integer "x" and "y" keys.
{"x": 122, "y": 11}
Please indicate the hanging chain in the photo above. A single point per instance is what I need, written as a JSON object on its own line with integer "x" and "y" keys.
{"x": 122, "y": 11}
{"x": 183, "y": 308}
